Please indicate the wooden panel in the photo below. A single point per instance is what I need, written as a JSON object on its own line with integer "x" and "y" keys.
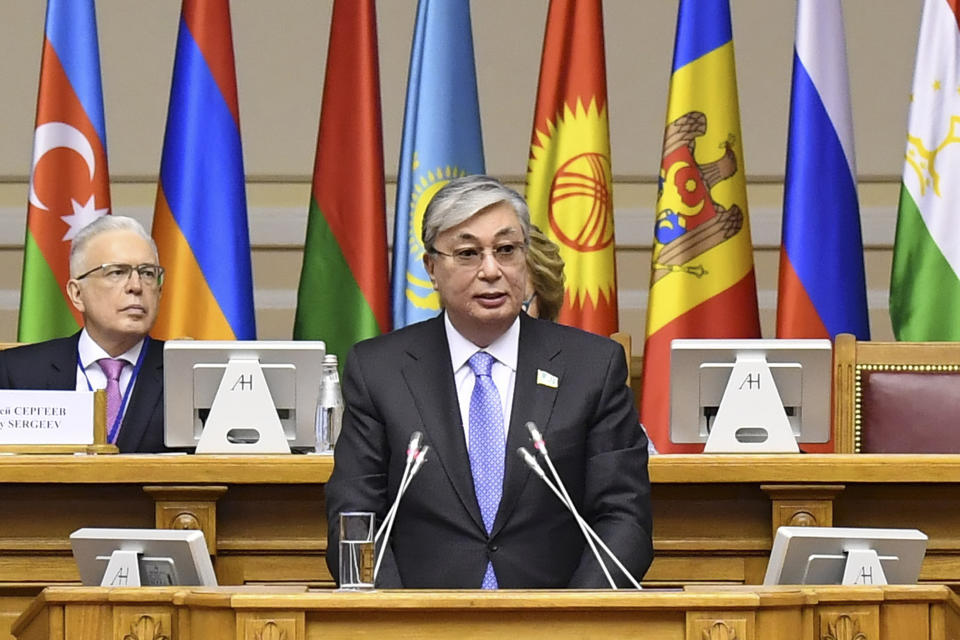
{"x": 714, "y": 516}
{"x": 701, "y": 614}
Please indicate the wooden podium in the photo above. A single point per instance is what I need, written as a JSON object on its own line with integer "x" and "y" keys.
{"x": 264, "y": 516}
{"x": 785, "y": 613}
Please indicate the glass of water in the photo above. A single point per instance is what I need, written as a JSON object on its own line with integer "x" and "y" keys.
{"x": 356, "y": 550}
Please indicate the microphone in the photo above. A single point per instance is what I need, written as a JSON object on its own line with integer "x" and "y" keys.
{"x": 412, "y": 448}
{"x": 564, "y": 497}
{"x": 533, "y": 464}
{"x": 417, "y": 457}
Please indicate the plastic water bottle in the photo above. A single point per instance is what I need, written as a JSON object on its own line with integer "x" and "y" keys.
{"x": 329, "y": 406}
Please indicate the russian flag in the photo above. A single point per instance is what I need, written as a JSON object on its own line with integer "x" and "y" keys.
{"x": 822, "y": 289}
{"x": 200, "y": 219}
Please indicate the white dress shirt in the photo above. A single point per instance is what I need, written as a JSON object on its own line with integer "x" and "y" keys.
{"x": 504, "y": 371}
{"x": 89, "y": 371}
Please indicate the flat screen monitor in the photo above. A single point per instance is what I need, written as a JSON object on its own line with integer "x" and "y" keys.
{"x": 166, "y": 557}
{"x": 818, "y": 555}
{"x": 192, "y": 370}
{"x": 700, "y": 369}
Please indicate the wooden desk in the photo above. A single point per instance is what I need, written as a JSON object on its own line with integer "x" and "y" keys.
{"x": 862, "y": 613}
{"x": 714, "y": 516}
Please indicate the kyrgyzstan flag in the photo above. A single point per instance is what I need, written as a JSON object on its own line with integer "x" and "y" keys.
{"x": 69, "y": 181}
{"x": 569, "y": 180}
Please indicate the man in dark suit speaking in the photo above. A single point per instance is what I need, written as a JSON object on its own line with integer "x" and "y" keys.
{"x": 115, "y": 284}
{"x": 475, "y": 516}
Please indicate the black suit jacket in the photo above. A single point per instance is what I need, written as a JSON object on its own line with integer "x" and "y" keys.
{"x": 53, "y": 365}
{"x": 403, "y": 382}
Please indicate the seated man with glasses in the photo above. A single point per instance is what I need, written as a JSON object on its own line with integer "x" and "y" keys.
{"x": 470, "y": 379}
{"x": 115, "y": 284}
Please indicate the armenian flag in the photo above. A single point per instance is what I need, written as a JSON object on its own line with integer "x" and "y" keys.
{"x": 569, "y": 179}
{"x": 441, "y": 140}
{"x": 344, "y": 295}
{"x": 69, "y": 180}
{"x": 200, "y": 217}
{"x": 702, "y": 281}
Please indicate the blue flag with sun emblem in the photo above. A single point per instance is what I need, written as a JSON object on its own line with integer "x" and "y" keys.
{"x": 441, "y": 140}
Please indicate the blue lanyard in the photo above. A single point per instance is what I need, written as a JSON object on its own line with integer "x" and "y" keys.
{"x": 112, "y": 434}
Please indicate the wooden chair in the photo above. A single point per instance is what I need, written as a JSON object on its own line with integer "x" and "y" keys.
{"x": 626, "y": 341}
{"x": 896, "y": 397}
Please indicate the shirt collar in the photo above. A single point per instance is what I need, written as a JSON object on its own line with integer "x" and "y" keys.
{"x": 89, "y": 351}
{"x": 504, "y": 348}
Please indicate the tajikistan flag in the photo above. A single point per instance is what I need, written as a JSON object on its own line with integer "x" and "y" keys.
{"x": 925, "y": 287}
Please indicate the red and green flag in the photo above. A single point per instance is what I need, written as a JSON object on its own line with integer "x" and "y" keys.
{"x": 69, "y": 181}
{"x": 344, "y": 290}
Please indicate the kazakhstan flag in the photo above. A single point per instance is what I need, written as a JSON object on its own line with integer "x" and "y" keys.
{"x": 441, "y": 140}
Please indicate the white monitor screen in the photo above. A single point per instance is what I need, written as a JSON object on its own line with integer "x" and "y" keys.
{"x": 167, "y": 557}
{"x": 818, "y": 555}
{"x": 700, "y": 369}
{"x": 192, "y": 370}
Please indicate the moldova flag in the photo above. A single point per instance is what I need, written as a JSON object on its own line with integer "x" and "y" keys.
{"x": 344, "y": 294}
{"x": 69, "y": 181}
{"x": 441, "y": 140}
{"x": 822, "y": 286}
{"x": 702, "y": 282}
{"x": 569, "y": 179}
{"x": 200, "y": 218}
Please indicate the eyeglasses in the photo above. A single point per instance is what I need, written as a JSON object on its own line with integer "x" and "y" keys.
{"x": 506, "y": 255}
{"x": 117, "y": 273}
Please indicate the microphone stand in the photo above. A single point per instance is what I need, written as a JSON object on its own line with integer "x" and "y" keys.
{"x": 420, "y": 458}
{"x": 564, "y": 497}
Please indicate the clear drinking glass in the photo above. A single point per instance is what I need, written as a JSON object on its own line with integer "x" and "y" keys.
{"x": 356, "y": 550}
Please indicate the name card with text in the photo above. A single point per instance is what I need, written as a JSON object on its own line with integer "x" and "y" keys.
{"x": 46, "y": 417}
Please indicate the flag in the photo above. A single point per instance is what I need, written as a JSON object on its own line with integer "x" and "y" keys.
{"x": 823, "y": 289}
{"x": 924, "y": 286}
{"x": 569, "y": 180}
{"x": 69, "y": 180}
{"x": 344, "y": 294}
{"x": 702, "y": 281}
{"x": 441, "y": 140}
{"x": 200, "y": 217}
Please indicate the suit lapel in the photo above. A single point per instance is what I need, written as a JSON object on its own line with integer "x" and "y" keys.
{"x": 143, "y": 401}
{"x": 62, "y": 374}
{"x": 429, "y": 375}
{"x": 531, "y": 402}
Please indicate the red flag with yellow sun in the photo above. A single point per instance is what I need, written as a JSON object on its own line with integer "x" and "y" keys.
{"x": 569, "y": 182}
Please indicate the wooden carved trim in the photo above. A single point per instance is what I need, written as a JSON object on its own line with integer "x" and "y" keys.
{"x": 146, "y": 628}
{"x": 719, "y": 630}
{"x": 270, "y": 631}
{"x": 844, "y": 628}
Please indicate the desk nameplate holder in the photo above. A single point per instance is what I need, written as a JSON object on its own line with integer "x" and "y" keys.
{"x": 243, "y": 417}
{"x": 99, "y": 444}
{"x": 751, "y": 417}
{"x": 123, "y": 570}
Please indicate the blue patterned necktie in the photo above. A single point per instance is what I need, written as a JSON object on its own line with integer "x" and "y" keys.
{"x": 486, "y": 446}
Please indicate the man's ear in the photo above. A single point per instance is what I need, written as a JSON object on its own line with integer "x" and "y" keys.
{"x": 73, "y": 292}
{"x": 429, "y": 263}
